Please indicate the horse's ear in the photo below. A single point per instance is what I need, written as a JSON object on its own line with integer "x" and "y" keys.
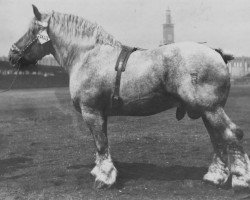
{"x": 37, "y": 14}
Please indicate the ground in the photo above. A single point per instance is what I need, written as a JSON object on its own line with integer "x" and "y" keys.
{"x": 47, "y": 153}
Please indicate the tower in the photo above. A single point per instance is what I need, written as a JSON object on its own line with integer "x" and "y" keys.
{"x": 168, "y": 29}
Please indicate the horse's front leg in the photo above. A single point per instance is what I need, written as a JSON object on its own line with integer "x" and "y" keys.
{"x": 105, "y": 173}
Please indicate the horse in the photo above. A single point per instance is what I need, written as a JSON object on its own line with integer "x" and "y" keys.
{"x": 188, "y": 76}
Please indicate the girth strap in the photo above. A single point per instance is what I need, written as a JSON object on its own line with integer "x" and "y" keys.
{"x": 120, "y": 67}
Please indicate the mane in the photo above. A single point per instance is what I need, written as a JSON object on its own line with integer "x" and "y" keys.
{"x": 78, "y": 27}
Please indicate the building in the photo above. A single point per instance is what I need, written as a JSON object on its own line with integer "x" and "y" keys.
{"x": 239, "y": 67}
{"x": 33, "y": 76}
{"x": 48, "y": 61}
{"x": 168, "y": 29}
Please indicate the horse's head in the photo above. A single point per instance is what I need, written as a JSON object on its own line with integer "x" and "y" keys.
{"x": 34, "y": 44}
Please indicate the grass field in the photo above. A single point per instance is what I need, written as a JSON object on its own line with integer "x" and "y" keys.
{"x": 47, "y": 153}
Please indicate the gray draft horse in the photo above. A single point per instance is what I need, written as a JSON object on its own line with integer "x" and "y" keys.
{"x": 190, "y": 76}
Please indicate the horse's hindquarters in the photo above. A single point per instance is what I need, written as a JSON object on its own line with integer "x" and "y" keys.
{"x": 199, "y": 77}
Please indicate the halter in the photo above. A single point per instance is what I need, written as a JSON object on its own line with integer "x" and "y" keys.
{"x": 21, "y": 52}
{"x": 41, "y": 36}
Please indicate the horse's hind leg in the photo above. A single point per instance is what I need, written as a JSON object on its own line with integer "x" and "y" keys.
{"x": 218, "y": 171}
{"x": 105, "y": 173}
{"x": 229, "y": 155}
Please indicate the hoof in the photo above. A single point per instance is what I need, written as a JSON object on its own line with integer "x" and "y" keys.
{"x": 218, "y": 179}
{"x": 101, "y": 185}
{"x": 241, "y": 174}
{"x": 105, "y": 175}
{"x": 218, "y": 173}
{"x": 240, "y": 183}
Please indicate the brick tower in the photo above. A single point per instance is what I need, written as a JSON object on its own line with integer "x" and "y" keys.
{"x": 168, "y": 29}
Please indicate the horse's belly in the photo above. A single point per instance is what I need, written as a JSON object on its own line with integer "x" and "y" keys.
{"x": 147, "y": 105}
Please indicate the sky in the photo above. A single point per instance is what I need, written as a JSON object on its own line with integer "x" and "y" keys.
{"x": 220, "y": 23}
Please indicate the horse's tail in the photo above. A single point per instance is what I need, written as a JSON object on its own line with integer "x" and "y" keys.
{"x": 226, "y": 57}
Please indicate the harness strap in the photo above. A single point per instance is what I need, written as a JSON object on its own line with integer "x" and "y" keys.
{"x": 120, "y": 67}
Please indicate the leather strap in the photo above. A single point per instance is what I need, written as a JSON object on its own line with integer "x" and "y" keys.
{"x": 120, "y": 67}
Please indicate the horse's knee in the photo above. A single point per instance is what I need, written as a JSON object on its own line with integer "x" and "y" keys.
{"x": 97, "y": 124}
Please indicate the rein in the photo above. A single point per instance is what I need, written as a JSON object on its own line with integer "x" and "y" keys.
{"x": 12, "y": 83}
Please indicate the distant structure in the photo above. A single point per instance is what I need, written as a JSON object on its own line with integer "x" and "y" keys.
{"x": 239, "y": 67}
{"x": 168, "y": 29}
{"x": 48, "y": 67}
{"x": 49, "y": 61}
{"x": 38, "y": 76}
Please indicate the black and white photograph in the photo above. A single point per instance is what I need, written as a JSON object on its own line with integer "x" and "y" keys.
{"x": 124, "y": 99}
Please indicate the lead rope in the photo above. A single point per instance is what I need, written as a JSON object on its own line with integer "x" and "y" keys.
{"x": 13, "y": 81}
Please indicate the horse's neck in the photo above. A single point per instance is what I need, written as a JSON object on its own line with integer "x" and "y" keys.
{"x": 67, "y": 55}
{"x": 67, "y": 51}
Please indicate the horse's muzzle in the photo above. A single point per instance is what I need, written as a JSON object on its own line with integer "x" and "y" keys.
{"x": 16, "y": 60}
